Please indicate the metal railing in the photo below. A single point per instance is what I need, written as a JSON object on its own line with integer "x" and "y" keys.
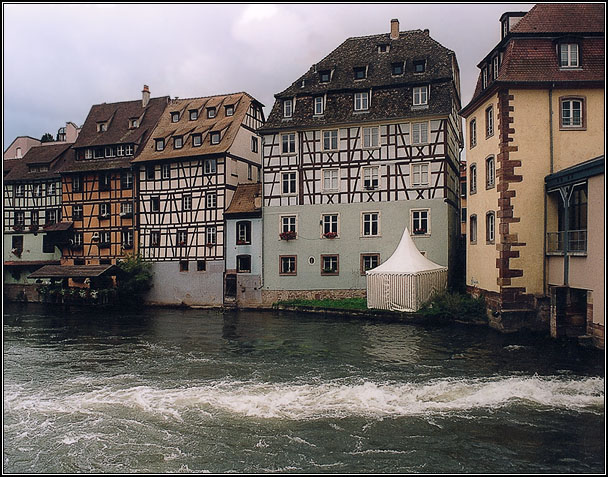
{"x": 577, "y": 242}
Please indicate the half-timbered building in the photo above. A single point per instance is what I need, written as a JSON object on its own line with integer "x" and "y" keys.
{"x": 98, "y": 184}
{"x": 535, "y": 160}
{"x": 363, "y": 145}
{"x": 201, "y": 149}
{"x": 32, "y": 208}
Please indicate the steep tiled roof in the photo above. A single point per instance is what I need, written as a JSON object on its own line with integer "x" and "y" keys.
{"x": 243, "y": 200}
{"x": 227, "y": 126}
{"x": 52, "y": 154}
{"x": 563, "y": 18}
{"x": 391, "y": 94}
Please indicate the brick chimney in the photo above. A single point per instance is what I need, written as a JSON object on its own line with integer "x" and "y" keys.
{"x": 145, "y": 96}
{"x": 394, "y": 29}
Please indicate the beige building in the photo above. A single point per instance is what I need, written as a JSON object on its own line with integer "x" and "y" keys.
{"x": 536, "y": 116}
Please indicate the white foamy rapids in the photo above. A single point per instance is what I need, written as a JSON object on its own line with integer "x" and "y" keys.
{"x": 338, "y": 398}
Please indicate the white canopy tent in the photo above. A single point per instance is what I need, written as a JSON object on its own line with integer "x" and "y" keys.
{"x": 406, "y": 280}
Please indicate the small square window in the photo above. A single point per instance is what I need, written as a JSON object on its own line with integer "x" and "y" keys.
{"x": 210, "y": 113}
{"x": 197, "y": 140}
{"x": 360, "y": 72}
{"x": 288, "y": 265}
{"x": 183, "y": 265}
{"x": 215, "y": 137}
{"x": 201, "y": 265}
{"x": 419, "y": 66}
{"x": 397, "y": 69}
{"x": 324, "y": 76}
{"x": 159, "y": 144}
{"x": 330, "y": 265}
{"x": 178, "y": 142}
{"x": 369, "y": 261}
{"x": 230, "y": 110}
{"x": 243, "y": 264}
{"x": 174, "y": 117}
{"x": 193, "y": 114}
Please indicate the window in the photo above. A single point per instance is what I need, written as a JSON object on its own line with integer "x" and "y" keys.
{"x": 370, "y": 137}
{"x": 568, "y": 55}
{"x": 210, "y": 166}
{"x": 120, "y": 151}
{"x": 211, "y": 235}
{"x": 110, "y": 151}
{"x": 572, "y": 113}
{"x": 178, "y": 142}
{"x": 243, "y": 264}
{"x": 463, "y": 215}
{"x": 155, "y": 238}
{"x": 370, "y": 224}
{"x": 19, "y": 218}
{"x": 490, "y": 227}
{"x": 230, "y": 110}
{"x": 490, "y": 121}
{"x": 126, "y": 209}
{"x": 420, "y": 95}
{"x": 174, "y": 117}
{"x": 360, "y": 72}
{"x": 249, "y": 172}
{"x": 472, "y": 133}
{"x": 420, "y": 174}
{"x": 77, "y": 212}
{"x": 187, "y": 202}
{"x": 473, "y": 229}
{"x": 330, "y": 180}
{"x": 34, "y": 217}
{"x": 397, "y": 69}
{"x": 51, "y": 190}
{"x": 319, "y": 105}
{"x": 330, "y": 140}
{"x": 211, "y": 112}
{"x": 490, "y": 172}
{"x": 215, "y": 137}
{"x": 76, "y": 184}
{"x": 288, "y": 223}
{"x": 420, "y": 222}
{"x": 369, "y": 261}
{"x": 155, "y": 204}
{"x": 129, "y": 150}
{"x": 104, "y": 210}
{"x": 420, "y": 133}
{"x": 126, "y": 180}
{"x": 150, "y": 175}
{"x": 288, "y": 143}
{"x": 193, "y": 114}
{"x": 254, "y": 144}
{"x": 105, "y": 181}
{"x": 183, "y": 265}
{"x": 287, "y": 108}
{"x": 211, "y": 200}
{"x": 384, "y": 48}
{"x": 329, "y": 265}
{"x": 102, "y": 127}
{"x": 324, "y": 76}
{"x": 105, "y": 238}
{"x": 201, "y": 265}
{"x": 182, "y": 238}
{"x": 243, "y": 232}
{"x": 370, "y": 178}
{"x": 484, "y": 77}
{"x": 419, "y": 66}
{"x": 19, "y": 190}
{"x": 38, "y": 189}
{"x": 127, "y": 238}
{"x": 287, "y": 265}
{"x": 495, "y": 67}
{"x": 17, "y": 244}
{"x": 362, "y": 101}
{"x": 98, "y": 152}
{"x": 288, "y": 183}
{"x": 159, "y": 144}
{"x": 52, "y": 216}
{"x": 330, "y": 225}
{"x": 473, "y": 179}
{"x": 166, "y": 171}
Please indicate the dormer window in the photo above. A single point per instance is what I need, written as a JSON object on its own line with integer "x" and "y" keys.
{"x": 568, "y": 55}
{"x": 133, "y": 123}
{"x": 193, "y": 114}
{"x": 174, "y": 117}
{"x": 319, "y": 109}
{"x": 178, "y": 142}
{"x": 421, "y": 95}
{"x": 361, "y": 101}
{"x": 324, "y": 76}
{"x": 159, "y": 144}
{"x": 383, "y": 48}
{"x": 102, "y": 127}
{"x": 397, "y": 69}
{"x": 495, "y": 65}
{"x": 360, "y": 72}
{"x": 230, "y": 110}
{"x": 215, "y": 137}
{"x": 419, "y": 66}
{"x": 197, "y": 140}
{"x": 210, "y": 113}
{"x": 484, "y": 77}
{"x": 287, "y": 108}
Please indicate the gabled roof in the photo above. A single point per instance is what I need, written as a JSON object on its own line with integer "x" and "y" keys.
{"x": 227, "y": 126}
{"x": 51, "y": 154}
{"x": 244, "y": 201}
{"x": 563, "y": 17}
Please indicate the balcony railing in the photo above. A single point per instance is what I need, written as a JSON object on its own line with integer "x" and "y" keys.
{"x": 577, "y": 242}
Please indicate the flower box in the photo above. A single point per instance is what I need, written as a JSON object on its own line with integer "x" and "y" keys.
{"x": 18, "y": 228}
{"x": 242, "y": 242}
{"x": 330, "y": 235}
{"x": 419, "y": 231}
{"x": 289, "y": 235}
{"x": 34, "y": 228}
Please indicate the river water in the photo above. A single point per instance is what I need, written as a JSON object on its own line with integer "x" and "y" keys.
{"x": 167, "y": 390}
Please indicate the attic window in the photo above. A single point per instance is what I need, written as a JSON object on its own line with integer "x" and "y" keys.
{"x": 193, "y": 114}
{"x": 102, "y": 127}
{"x": 160, "y": 144}
{"x": 174, "y": 117}
{"x": 210, "y": 113}
{"x": 383, "y": 48}
{"x": 133, "y": 123}
{"x": 397, "y": 69}
{"x": 568, "y": 55}
{"x": 230, "y": 110}
{"x": 215, "y": 138}
{"x": 360, "y": 72}
{"x": 324, "y": 76}
{"x": 419, "y": 66}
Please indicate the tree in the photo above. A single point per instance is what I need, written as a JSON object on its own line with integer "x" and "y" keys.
{"x": 134, "y": 281}
{"x": 47, "y": 137}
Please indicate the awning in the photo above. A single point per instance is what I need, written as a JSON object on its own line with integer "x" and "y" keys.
{"x": 31, "y": 263}
{"x": 75, "y": 271}
{"x": 58, "y": 227}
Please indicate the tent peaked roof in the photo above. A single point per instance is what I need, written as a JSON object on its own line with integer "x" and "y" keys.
{"x": 406, "y": 259}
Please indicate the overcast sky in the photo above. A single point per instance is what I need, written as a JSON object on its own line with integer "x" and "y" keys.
{"x": 59, "y": 60}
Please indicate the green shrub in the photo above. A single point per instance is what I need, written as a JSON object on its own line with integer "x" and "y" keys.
{"x": 455, "y": 306}
{"x": 134, "y": 281}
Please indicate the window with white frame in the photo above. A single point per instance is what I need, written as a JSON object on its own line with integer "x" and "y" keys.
{"x": 370, "y": 137}
{"x": 287, "y": 264}
{"x": 52, "y": 216}
{"x": 369, "y": 261}
{"x": 484, "y": 77}
{"x": 288, "y": 143}
{"x": 126, "y": 209}
{"x": 166, "y": 171}
{"x": 473, "y": 179}
{"x": 182, "y": 237}
{"x": 490, "y": 218}
{"x": 38, "y": 190}
{"x": 489, "y": 121}
{"x": 19, "y": 190}
{"x": 287, "y": 108}
{"x": 174, "y": 117}
{"x": 472, "y": 133}
{"x": 330, "y": 140}
{"x": 330, "y": 225}
{"x": 51, "y": 190}
{"x": 330, "y": 180}
{"x": 370, "y": 178}
{"x": 243, "y": 232}
{"x": 568, "y": 55}
{"x": 420, "y": 221}
{"x": 155, "y": 238}
{"x": 211, "y": 112}
{"x": 127, "y": 238}
{"x": 210, "y": 166}
{"x": 77, "y": 212}
{"x": 329, "y": 264}
{"x": 288, "y": 183}
{"x": 211, "y": 235}
{"x": 19, "y": 218}
{"x": 288, "y": 223}
{"x": 370, "y": 224}
{"x": 104, "y": 209}
{"x": 129, "y": 150}
{"x": 420, "y": 133}
{"x": 319, "y": 105}
{"x": 420, "y": 174}
{"x": 193, "y": 114}
{"x": 490, "y": 172}
{"x": 210, "y": 200}
{"x": 126, "y": 180}
{"x": 214, "y": 137}
{"x": 178, "y": 142}
{"x": 105, "y": 238}
{"x": 421, "y": 95}
{"x": 495, "y": 65}
{"x": 187, "y": 202}
{"x": 572, "y": 113}
{"x": 34, "y": 217}
{"x": 159, "y": 144}
{"x": 361, "y": 101}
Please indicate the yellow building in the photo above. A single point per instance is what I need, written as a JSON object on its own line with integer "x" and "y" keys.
{"x": 537, "y": 115}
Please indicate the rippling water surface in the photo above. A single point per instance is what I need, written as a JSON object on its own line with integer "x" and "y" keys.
{"x": 258, "y": 392}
